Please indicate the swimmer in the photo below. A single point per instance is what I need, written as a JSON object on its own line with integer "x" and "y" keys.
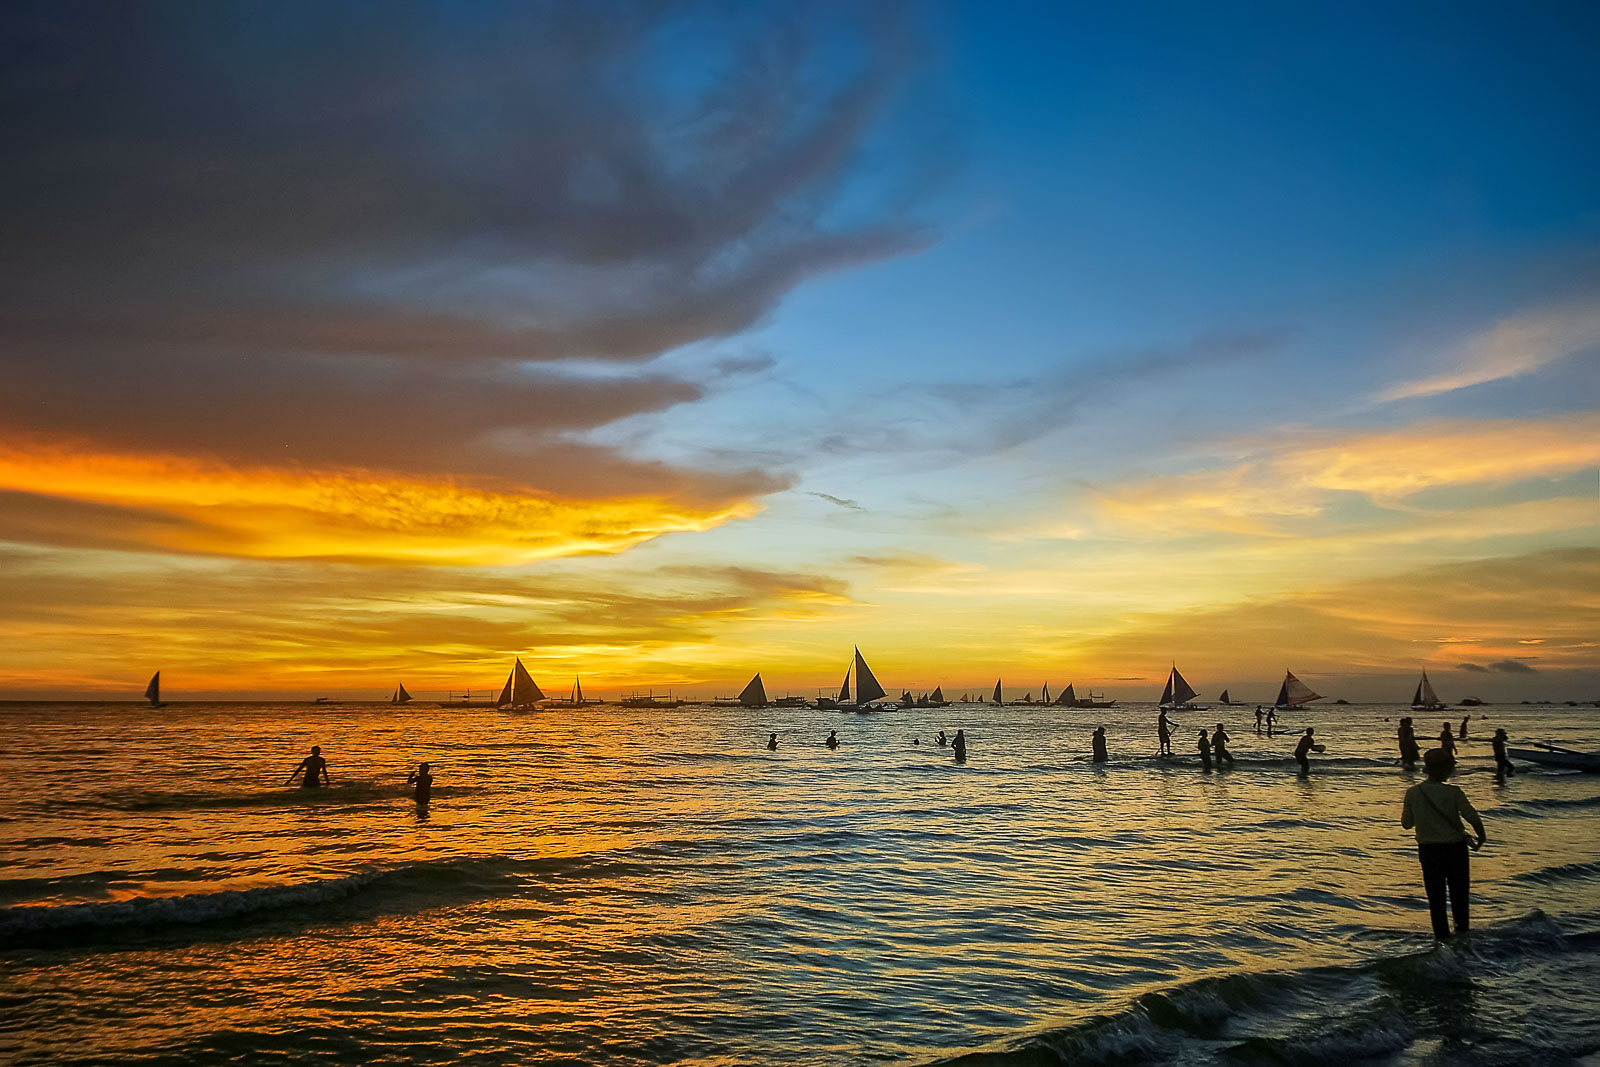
{"x": 315, "y": 768}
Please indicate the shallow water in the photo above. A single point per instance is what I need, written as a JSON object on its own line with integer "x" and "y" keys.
{"x": 642, "y": 887}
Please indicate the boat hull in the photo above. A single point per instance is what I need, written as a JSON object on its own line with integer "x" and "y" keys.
{"x": 1570, "y": 761}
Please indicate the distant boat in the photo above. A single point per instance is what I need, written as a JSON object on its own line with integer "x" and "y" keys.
{"x": 1294, "y": 693}
{"x": 1044, "y": 697}
{"x": 524, "y": 693}
{"x": 1425, "y": 699}
{"x": 996, "y": 697}
{"x": 575, "y": 697}
{"x": 1223, "y": 699}
{"x": 1179, "y": 694}
{"x": 1067, "y": 698}
{"x": 1548, "y": 755}
{"x": 754, "y": 695}
{"x": 152, "y": 692}
{"x": 937, "y": 700}
{"x": 400, "y": 696}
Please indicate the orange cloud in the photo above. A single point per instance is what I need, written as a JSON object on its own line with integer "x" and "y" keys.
{"x": 177, "y": 504}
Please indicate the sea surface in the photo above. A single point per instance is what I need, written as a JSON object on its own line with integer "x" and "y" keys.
{"x": 629, "y": 887}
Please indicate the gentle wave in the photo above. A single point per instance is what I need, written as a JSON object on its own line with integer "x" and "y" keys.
{"x": 1190, "y": 1023}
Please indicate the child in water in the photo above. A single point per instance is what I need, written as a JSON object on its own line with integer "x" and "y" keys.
{"x": 422, "y": 778}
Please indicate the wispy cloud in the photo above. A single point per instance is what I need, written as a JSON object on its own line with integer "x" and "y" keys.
{"x": 1522, "y": 344}
{"x": 850, "y": 505}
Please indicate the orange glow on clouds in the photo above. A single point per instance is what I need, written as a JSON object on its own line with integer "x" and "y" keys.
{"x": 179, "y": 504}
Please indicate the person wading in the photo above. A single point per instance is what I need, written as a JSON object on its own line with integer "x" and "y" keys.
{"x": 1435, "y": 810}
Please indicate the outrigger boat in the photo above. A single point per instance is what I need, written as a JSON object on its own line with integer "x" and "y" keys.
{"x": 1294, "y": 693}
{"x": 1548, "y": 755}
{"x": 1179, "y": 694}
{"x": 1425, "y": 699}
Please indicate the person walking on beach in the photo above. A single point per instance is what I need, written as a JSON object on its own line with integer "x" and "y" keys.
{"x": 833, "y": 739}
{"x": 1502, "y": 764}
{"x": 772, "y": 742}
{"x": 1164, "y": 727}
{"x": 1462, "y": 734}
{"x": 422, "y": 778}
{"x": 1098, "y": 744}
{"x": 959, "y": 745}
{"x": 1447, "y": 741}
{"x": 1204, "y": 745}
{"x": 1302, "y": 751}
{"x": 315, "y": 768}
{"x": 1219, "y": 746}
{"x": 1410, "y": 751}
{"x": 1435, "y": 810}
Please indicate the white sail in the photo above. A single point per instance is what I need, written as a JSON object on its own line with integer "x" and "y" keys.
{"x": 754, "y": 695}
{"x": 1294, "y": 692}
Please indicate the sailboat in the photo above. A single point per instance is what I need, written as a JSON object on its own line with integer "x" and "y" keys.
{"x": 1425, "y": 699}
{"x": 1223, "y": 699}
{"x": 574, "y": 697}
{"x": 753, "y": 695}
{"x": 152, "y": 692}
{"x": 867, "y": 687}
{"x": 1179, "y": 694}
{"x": 1067, "y": 698}
{"x": 1044, "y": 697}
{"x": 996, "y": 698}
{"x": 833, "y": 703}
{"x": 400, "y": 695}
{"x": 1294, "y": 692}
{"x": 937, "y": 700}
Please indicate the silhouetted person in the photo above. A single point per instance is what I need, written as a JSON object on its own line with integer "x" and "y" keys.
{"x": 1435, "y": 809}
{"x": 422, "y": 778}
{"x": 1502, "y": 763}
{"x": 1164, "y": 727}
{"x": 1098, "y": 741}
{"x": 942, "y": 739}
{"x": 1204, "y": 745}
{"x": 1272, "y": 720}
{"x": 833, "y": 739}
{"x": 1302, "y": 751}
{"x": 1447, "y": 741}
{"x": 772, "y": 742}
{"x": 959, "y": 745}
{"x": 1219, "y": 746}
{"x": 315, "y": 768}
{"x": 1258, "y": 718}
{"x": 1462, "y": 734}
{"x": 1410, "y": 751}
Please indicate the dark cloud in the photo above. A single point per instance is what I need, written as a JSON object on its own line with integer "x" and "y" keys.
{"x": 839, "y": 500}
{"x": 342, "y": 232}
{"x": 1476, "y": 668}
{"x": 1512, "y": 666}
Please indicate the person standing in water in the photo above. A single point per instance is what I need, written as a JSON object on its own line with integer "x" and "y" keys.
{"x": 1258, "y": 718}
{"x": 1410, "y": 752}
{"x": 422, "y": 778}
{"x": 1204, "y": 745}
{"x": 1435, "y": 810}
{"x": 1447, "y": 741}
{"x": 1502, "y": 764}
{"x": 772, "y": 742}
{"x": 959, "y": 745}
{"x": 1164, "y": 727}
{"x": 315, "y": 768}
{"x": 1219, "y": 746}
{"x": 942, "y": 740}
{"x": 1302, "y": 751}
{"x": 1272, "y": 720}
{"x": 1462, "y": 733}
{"x": 833, "y": 739}
{"x": 1098, "y": 744}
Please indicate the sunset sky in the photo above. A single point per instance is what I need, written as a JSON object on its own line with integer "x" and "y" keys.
{"x": 350, "y": 344}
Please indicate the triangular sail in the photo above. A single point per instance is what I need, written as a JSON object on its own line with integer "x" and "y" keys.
{"x": 844, "y": 690}
{"x": 152, "y": 692}
{"x": 1224, "y": 697}
{"x": 1426, "y": 697}
{"x": 905, "y": 697}
{"x": 867, "y": 687}
{"x": 1294, "y": 692}
{"x": 754, "y": 694}
{"x": 938, "y": 694}
{"x": 577, "y": 690}
{"x": 523, "y": 689}
{"x": 997, "y": 690}
{"x": 400, "y": 695}
{"x": 1068, "y": 697}
{"x": 505, "y": 694}
{"x": 1166, "y": 694}
{"x": 1182, "y": 691}
{"x": 1045, "y": 699}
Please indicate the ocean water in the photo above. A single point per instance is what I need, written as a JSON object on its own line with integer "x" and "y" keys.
{"x": 627, "y": 887}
